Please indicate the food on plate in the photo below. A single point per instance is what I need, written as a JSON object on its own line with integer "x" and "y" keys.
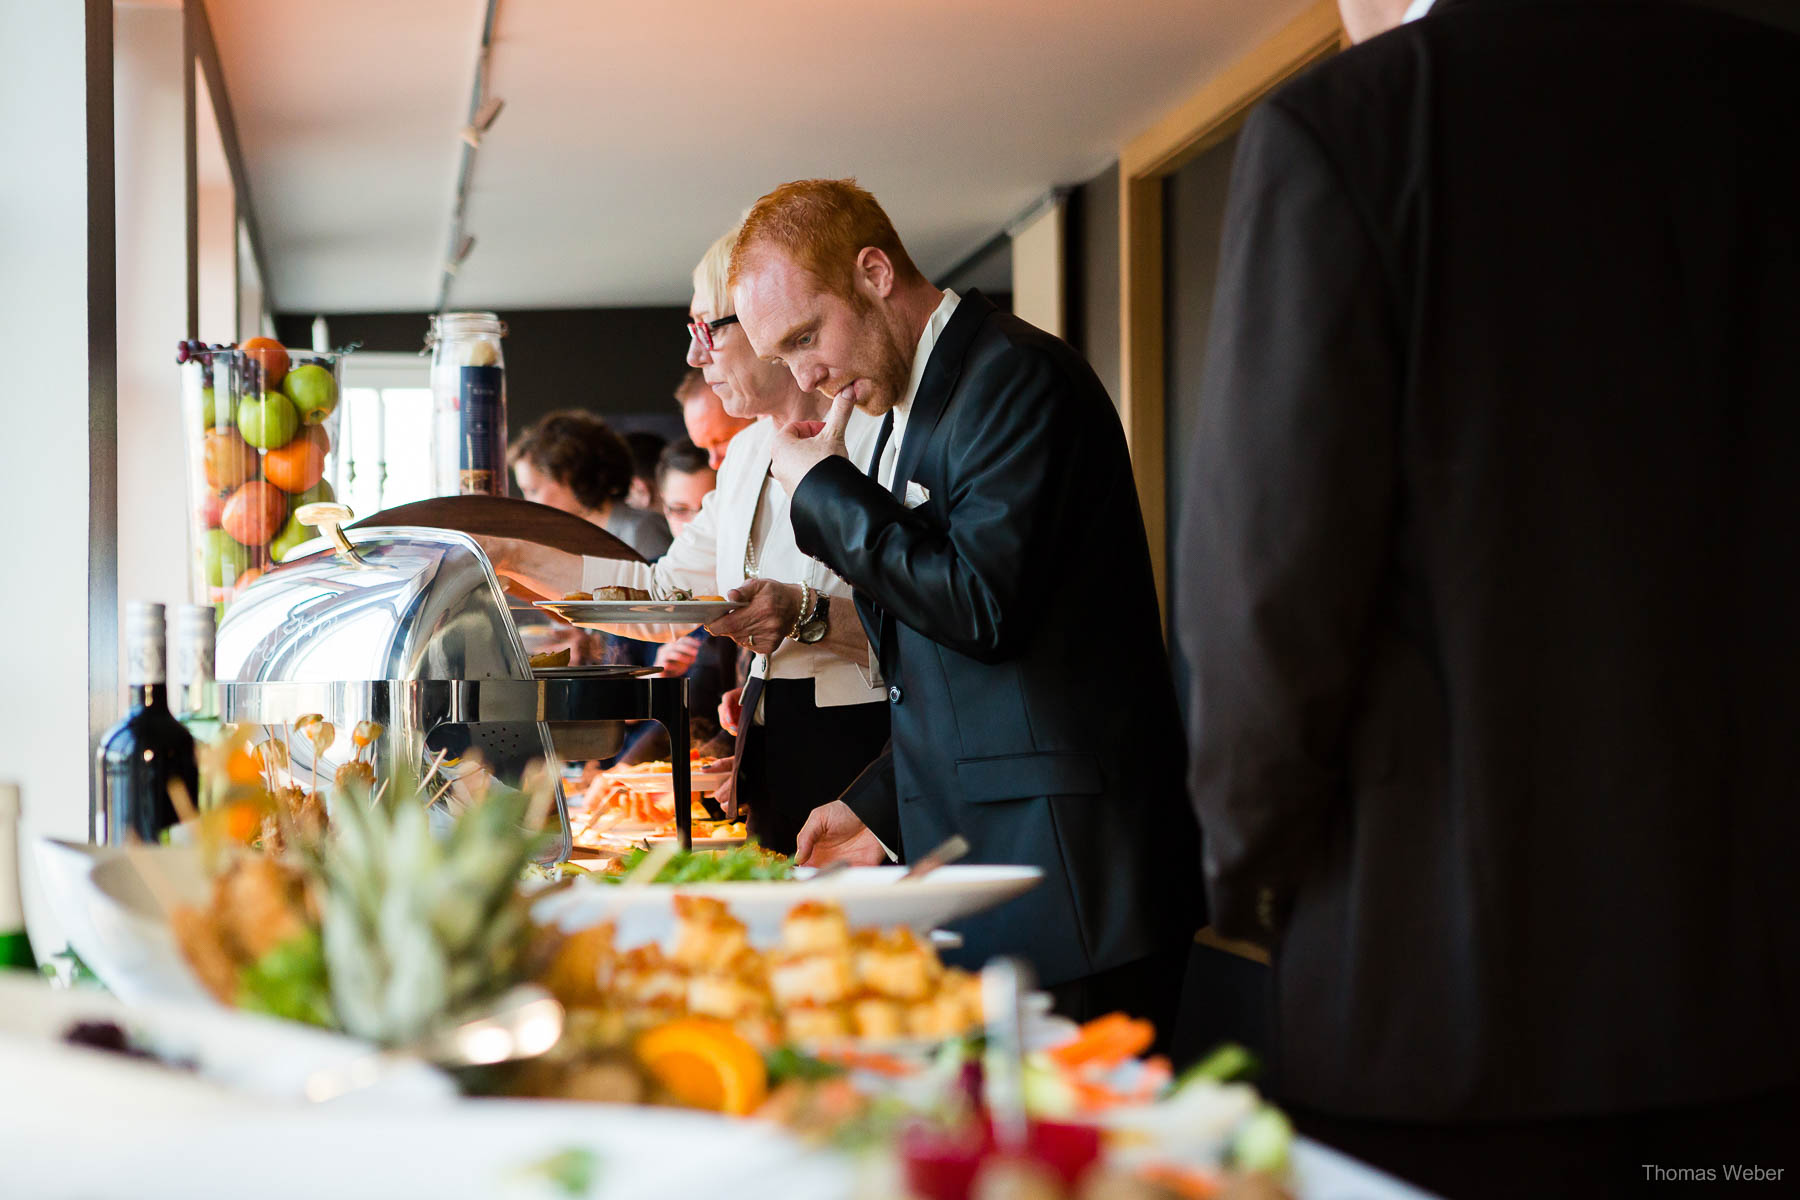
{"x": 821, "y": 984}
{"x": 705, "y": 1064}
{"x": 620, "y": 593}
{"x": 554, "y": 658}
{"x": 578, "y": 596}
{"x": 737, "y": 864}
{"x": 355, "y": 773}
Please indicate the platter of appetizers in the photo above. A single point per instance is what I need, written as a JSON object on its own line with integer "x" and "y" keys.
{"x": 635, "y": 606}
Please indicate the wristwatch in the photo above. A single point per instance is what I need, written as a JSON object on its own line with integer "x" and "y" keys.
{"x": 812, "y": 626}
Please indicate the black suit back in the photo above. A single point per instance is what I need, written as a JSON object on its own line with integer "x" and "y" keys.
{"x": 1492, "y": 561}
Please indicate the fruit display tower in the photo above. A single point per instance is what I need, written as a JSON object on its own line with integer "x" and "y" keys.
{"x": 261, "y": 424}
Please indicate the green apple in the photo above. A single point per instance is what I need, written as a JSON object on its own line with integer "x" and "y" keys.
{"x": 313, "y": 391}
{"x": 211, "y": 417}
{"x": 224, "y": 557}
{"x": 268, "y": 421}
{"x": 291, "y": 535}
{"x": 318, "y": 493}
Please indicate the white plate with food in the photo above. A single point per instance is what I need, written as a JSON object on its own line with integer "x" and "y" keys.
{"x": 872, "y": 898}
{"x": 115, "y": 922}
{"x": 196, "y": 1050}
{"x": 639, "y": 612}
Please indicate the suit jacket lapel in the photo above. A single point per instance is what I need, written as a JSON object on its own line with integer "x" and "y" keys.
{"x": 938, "y": 382}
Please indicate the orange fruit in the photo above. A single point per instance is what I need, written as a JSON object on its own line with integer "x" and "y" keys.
{"x": 226, "y": 459}
{"x": 272, "y": 356}
{"x": 295, "y": 466}
{"x": 705, "y": 1064}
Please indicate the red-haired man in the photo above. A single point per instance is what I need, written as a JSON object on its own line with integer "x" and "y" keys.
{"x": 994, "y": 530}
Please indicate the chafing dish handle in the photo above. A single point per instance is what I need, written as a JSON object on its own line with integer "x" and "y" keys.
{"x": 330, "y": 518}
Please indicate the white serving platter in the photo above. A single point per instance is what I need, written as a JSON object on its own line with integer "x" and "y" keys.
{"x": 639, "y": 612}
{"x": 871, "y": 897}
{"x": 231, "y": 1051}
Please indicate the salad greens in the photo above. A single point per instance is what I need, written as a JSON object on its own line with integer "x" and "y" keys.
{"x": 289, "y": 981}
{"x": 741, "y": 863}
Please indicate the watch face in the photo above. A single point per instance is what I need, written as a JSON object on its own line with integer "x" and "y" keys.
{"x": 811, "y": 632}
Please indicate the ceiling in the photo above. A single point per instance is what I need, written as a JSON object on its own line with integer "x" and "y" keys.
{"x": 635, "y": 132}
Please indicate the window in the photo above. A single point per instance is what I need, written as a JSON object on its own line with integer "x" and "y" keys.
{"x": 384, "y": 432}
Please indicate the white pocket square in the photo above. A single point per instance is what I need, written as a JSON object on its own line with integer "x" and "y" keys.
{"x": 915, "y": 494}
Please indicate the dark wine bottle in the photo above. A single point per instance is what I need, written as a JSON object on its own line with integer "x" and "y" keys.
{"x": 143, "y": 754}
{"x": 15, "y": 945}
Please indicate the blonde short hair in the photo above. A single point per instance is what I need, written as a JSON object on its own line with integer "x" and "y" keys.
{"x": 712, "y": 292}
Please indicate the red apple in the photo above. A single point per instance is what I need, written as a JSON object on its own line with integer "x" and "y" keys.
{"x": 212, "y": 507}
{"x": 254, "y": 513}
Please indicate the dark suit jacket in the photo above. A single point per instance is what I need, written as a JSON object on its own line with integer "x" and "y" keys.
{"x": 1490, "y": 564}
{"x": 984, "y": 604}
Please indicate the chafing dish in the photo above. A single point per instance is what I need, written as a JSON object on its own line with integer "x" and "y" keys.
{"x": 411, "y": 628}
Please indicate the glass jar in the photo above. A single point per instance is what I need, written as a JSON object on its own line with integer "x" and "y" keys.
{"x": 468, "y": 401}
{"x": 261, "y": 427}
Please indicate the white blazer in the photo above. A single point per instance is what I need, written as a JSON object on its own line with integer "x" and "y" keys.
{"x": 708, "y": 559}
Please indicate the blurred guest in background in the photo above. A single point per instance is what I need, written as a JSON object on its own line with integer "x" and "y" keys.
{"x": 573, "y": 461}
{"x": 684, "y": 479}
{"x": 709, "y": 425}
{"x": 646, "y": 448}
{"x": 1488, "y": 579}
{"x": 813, "y": 714}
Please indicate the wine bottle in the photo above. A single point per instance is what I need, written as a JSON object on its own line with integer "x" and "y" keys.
{"x": 198, "y": 705}
{"x": 15, "y": 945}
{"x": 143, "y": 754}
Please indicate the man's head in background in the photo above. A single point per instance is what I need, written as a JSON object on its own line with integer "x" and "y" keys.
{"x": 646, "y": 449}
{"x": 709, "y": 426}
{"x": 684, "y": 477}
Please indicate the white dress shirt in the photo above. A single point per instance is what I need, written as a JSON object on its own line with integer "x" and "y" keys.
{"x": 1415, "y": 10}
{"x": 890, "y": 455}
{"x": 708, "y": 559}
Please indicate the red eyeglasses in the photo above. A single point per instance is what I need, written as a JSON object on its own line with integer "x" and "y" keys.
{"x": 702, "y": 331}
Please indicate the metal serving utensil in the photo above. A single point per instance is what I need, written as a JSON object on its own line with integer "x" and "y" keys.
{"x": 522, "y": 1023}
{"x": 944, "y": 853}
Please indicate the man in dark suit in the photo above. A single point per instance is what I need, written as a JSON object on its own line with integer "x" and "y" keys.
{"x": 995, "y": 534}
{"x": 1489, "y": 579}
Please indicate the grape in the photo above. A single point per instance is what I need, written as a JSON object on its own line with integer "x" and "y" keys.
{"x": 181, "y": 352}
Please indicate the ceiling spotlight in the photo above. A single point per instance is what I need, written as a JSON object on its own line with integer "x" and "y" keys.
{"x": 462, "y": 253}
{"x": 483, "y": 120}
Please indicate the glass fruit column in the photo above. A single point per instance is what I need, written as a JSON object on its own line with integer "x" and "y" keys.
{"x": 261, "y": 427}
{"x": 468, "y": 400}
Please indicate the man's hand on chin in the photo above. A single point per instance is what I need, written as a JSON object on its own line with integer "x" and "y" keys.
{"x": 802, "y": 445}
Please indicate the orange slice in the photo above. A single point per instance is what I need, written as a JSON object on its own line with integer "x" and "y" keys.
{"x": 705, "y": 1064}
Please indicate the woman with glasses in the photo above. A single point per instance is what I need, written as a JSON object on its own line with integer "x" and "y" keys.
{"x": 814, "y": 712}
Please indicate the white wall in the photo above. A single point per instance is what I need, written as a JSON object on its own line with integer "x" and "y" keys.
{"x": 216, "y": 202}
{"x": 56, "y": 633}
{"x": 1038, "y": 269}
{"x": 152, "y": 302}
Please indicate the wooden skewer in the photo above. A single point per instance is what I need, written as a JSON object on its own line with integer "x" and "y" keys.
{"x": 184, "y": 804}
{"x": 150, "y": 871}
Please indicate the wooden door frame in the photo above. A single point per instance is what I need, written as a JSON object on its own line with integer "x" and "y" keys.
{"x": 1207, "y": 117}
